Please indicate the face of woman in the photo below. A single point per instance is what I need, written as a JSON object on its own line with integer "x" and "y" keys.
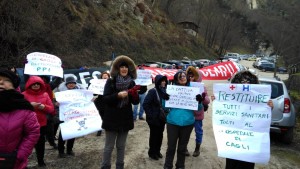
{"x": 163, "y": 83}
{"x": 5, "y": 83}
{"x": 182, "y": 79}
{"x": 36, "y": 86}
{"x": 104, "y": 76}
{"x": 123, "y": 71}
{"x": 71, "y": 85}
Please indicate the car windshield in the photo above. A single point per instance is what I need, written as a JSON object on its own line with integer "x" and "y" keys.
{"x": 277, "y": 89}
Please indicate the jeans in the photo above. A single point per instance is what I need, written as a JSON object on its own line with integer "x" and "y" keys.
{"x": 135, "y": 107}
{"x": 112, "y": 138}
{"x": 198, "y": 131}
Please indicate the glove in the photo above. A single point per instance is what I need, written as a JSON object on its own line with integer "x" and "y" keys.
{"x": 199, "y": 98}
{"x": 166, "y": 96}
{"x": 133, "y": 92}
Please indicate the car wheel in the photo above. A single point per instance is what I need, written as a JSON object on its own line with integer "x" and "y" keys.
{"x": 288, "y": 136}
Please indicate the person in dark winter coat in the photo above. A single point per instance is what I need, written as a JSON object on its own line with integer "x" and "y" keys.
{"x": 243, "y": 77}
{"x": 120, "y": 92}
{"x": 154, "y": 99}
{"x": 98, "y": 100}
{"x": 19, "y": 127}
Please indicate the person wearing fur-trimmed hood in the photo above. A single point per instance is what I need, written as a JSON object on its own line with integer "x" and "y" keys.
{"x": 195, "y": 75}
{"x": 120, "y": 92}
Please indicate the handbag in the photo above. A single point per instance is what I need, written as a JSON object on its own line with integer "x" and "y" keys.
{"x": 8, "y": 160}
{"x": 162, "y": 115}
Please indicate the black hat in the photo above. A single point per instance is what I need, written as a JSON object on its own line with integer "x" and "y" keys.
{"x": 70, "y": 79}
{"x": 12, "y": 76}
{"x": 123, "y": 64}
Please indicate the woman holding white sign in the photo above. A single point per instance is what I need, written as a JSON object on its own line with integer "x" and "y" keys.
{"x": 243, "y": 77}
{"x": 120, "y": 92}
{"x": 180, "y": 123}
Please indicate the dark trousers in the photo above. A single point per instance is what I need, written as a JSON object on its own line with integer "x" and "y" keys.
{"x": 180, "y": 135}
{"x": 155, "y": 139}
{"x": 40, "y": 145}
{"x": 61, "y": 144}
{"x": 237, "y": 164}
{"x": 50, "y": 130}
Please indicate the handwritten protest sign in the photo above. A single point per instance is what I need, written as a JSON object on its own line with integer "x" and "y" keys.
{"x": 97, "y": 86}
{"x": 241, "y": 121}
{"x": 78, "y": 112}
{"x": 182, "y": 97}
{"x": 198, "y": 85}
{"x": 43, "y": 64}
{"x": 143, "y": 77}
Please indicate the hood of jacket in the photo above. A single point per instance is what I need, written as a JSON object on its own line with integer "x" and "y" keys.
{"x": 114, "y": 71}
{"x": 31, "y": 81}
{"x": 245, "y": 75}
{"x": 193, "y": 70}
{"x": 158, "y": 79}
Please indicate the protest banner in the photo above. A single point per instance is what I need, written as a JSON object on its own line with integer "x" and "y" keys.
{"x": 241, "y": 121}
{"x": 143, "y": 77}
{"x": 78, "y": 112}
{"x": 43, "y": 64}
{"x": 183, "y": 97}
{"x": 97, "y": 86}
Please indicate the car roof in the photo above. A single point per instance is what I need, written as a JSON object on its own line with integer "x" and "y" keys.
{"x": 269, "y": 79}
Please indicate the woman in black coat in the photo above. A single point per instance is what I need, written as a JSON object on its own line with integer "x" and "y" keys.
{"x": 154, "y": 99}
{"x": 120, "y": 92}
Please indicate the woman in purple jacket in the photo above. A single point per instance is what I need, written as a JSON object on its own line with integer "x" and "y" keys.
{"x": 19, "y": 127}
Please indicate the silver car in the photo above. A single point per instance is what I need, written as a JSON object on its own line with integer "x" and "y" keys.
{"x": 283, "y": 113}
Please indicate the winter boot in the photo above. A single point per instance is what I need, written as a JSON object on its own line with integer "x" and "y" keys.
{"x": 197, "y": 150}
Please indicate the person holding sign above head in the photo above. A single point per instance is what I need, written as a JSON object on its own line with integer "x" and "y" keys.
{"x": 69, "y": 84}
{"x": 242, "y": 77}
{"x": 120, "y": 92}
{"x": 153, "y": 104}
{"x": 195, "y": 75}
{"x": 180, "y": 123}
{"x": 19, "y": 127}
{"x": 40, "y": 100}
{"x": 142, "y": 94}
{"x": 98, "y": 100}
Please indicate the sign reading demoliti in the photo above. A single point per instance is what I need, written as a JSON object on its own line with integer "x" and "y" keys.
{"x": 241, "y": 121}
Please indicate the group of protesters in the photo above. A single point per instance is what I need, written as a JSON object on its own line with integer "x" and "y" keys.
{"x": 26, "y": 115}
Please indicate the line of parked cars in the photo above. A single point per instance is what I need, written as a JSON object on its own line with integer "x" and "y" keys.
{"x": 181, "y": 64}
{"x": 267, "y": 64}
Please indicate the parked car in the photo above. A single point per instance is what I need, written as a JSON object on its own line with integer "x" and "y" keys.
{"x": 283, "y": 118}
{"x": 266, "y": 67}
{"x": 204, "y": 62}
{"x": 252, "y": 58}
{"x": 282, "y": 70}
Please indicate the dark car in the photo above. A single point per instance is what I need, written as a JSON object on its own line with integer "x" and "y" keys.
{"x": 282, "y": 70}
{"x": 266, "y": 67}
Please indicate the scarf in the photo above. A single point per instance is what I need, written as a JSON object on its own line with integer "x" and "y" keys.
{"x": 162, "y": 92}
{"x": 11, "y": 100}
{"x": 123, "y": 83}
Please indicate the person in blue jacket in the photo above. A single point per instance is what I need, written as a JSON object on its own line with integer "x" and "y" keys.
{"x": 180, "y": 123}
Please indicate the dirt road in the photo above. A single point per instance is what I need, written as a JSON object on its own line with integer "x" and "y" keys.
{"x": 89, "y": 150}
